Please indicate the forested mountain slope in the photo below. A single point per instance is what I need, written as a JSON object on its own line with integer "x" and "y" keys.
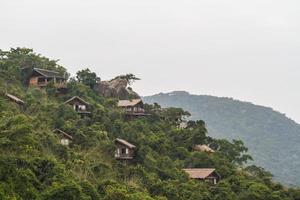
{"x": 34, "y": 165}
{"x": 272, "y": 138}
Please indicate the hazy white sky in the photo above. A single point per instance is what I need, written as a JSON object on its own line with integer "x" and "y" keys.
{"x": 249, "y": 50}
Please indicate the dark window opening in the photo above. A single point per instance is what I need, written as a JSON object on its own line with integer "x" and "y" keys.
{"x": 41, "y": 80}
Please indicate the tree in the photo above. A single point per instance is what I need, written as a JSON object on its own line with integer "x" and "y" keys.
{"x": 260, "y": 173}
{"x": 175, "y": 115}
{"x": 130, "y": 78}
{"x": 87, "y": 77}
{"x": 18, "y": 64}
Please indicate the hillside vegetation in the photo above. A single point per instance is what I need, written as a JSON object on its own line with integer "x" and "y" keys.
{"x": 272, "y": 138}
{"x": 34, "y": 165}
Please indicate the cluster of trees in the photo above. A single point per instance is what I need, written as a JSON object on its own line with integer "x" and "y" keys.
{"x": 262, "y": 129}
{"x": 33, "y": 165}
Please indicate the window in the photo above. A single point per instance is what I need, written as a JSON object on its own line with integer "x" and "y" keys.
{"x": 41, "y": 80}
{"x": 117, "y": 154}
{"x": 64, "y": 142}
{"x": 82, "y": 107}
{"x": 123, "y": 150}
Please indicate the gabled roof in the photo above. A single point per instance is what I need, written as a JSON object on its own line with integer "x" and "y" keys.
{"x": 200, "y": 173}
{"x": 78, "y": 98}
{"x": 203, "y": 148}
{"x": 47, "y": 73}
{"x": 126, "y": 103}
{"x": 64, "y": 133}
{"x": 14, "y": 98}
{"x": 124, "y": 142}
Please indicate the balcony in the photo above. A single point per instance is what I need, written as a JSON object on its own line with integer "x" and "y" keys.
{"x": 56, "y": 85}
{"x": 123, "y": 156}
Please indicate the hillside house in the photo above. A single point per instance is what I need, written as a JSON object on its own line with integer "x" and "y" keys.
{"x": 79, "y": 105}
{"x": 64, "y": 138}
{"x": 133, "y": 108}
{"x": 124, "y": 150}
{"x": 41, "y": 78}
{"x": 15, "y": 99}
{"x": 203, "y": 148}
{"x": 208, "y": 175}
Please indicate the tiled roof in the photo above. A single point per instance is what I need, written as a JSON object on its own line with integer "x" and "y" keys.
{"x": 64, "y": 133}
{"x": 14, "y": 98}
{"x": 199, "y": 173}
{"x": 78, "y": 98}
{"x": 124, "y": 142}
{"x": 126, "y": 103}
{"x": 203, "y": 148}
{"x": 48, "y": 73}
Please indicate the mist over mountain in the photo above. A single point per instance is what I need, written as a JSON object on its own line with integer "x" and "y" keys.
{"x": 272, "y": 138}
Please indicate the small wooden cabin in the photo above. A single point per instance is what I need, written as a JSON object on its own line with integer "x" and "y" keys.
{"x": 15, "y": 99}
{"x": 203, "y": 148}
{"x": 124, "y": 150}
{"x": 208, "y": 175}
{"x": 133, "y": 108}
{"x": 41, "y": 77}
{"x": 79, "y": 105}
{"x": 64, "y": 138}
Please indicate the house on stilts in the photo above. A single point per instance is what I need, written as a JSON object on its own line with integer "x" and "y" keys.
{"x": 133, "y": 108}
{"x": 79, "y": 105}
{"x": 125, "y": 151}
{"x": 42, "y": 77}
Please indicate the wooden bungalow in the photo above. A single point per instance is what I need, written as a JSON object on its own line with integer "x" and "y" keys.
{"x": 15, "y": 99}
{"x": 208, "y": 175}
{"x": 64, "y": 138}
{"x": 41, "y": 77}
{"x": 203, "y": 148}
{"x": 79, "y": 105}
{"x": 124, "y": 150}
{"x": 133, "y": 108}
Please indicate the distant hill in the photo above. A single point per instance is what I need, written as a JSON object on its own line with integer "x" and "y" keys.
{"x": 272, "y": 138}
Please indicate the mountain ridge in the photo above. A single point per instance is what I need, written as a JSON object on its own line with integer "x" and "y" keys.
{"x": 234, "y": 119}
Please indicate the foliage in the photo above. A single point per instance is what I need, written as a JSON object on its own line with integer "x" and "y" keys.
{"x": 34, "y": 165}
{"x": 272, "y": 138}
{"x": 130, "y": 78}
{"x": 87, "y": 77}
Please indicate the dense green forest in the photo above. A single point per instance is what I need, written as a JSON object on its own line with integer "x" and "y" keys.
{"x": 272, "y": 138}
{"x": 34, "y": 165}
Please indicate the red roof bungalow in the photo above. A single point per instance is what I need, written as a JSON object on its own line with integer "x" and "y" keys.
{"x": 208, "y": 175}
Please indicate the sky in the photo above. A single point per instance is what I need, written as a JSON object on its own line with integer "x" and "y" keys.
{"x": 248, "y": 50}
